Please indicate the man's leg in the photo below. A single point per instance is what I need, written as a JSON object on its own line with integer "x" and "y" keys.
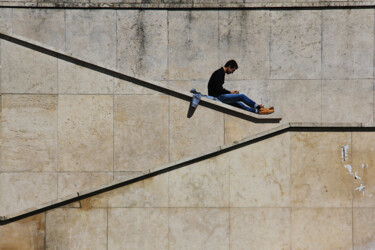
{"x": 243, "y": 106}
{"x": 234, "y": 98}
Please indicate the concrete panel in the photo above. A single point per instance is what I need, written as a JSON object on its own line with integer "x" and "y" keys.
{"x": 204, "y": 131}
{"x": 141, "y": 132}
{"x": 236, "y": 128}
{"x": 193, "y": 44}
{"x": 364, "y": 228}
{"x": 152, "y": 192}
{"x": 20, "y": 191}
{"x": 297, "y": 100}
{"x": 245, "y": 36}
{"x": 1, "y": 129}
{"x": 29, "y": 133}
{"x": 129, "y": 88}
{"x": 296, "y": 44}
{"x": 24, "y": 234}
{"x": 27, "y": 71}
{"x": 73, "y": 182}
{"x": 364, "y": 165}
{"x": 348, "y": 43}
{"x": 198, "y": 228}
{"x": 118, "y": 176}
{"x": 6, "y": 20}
{"x": 322, "y": 228}
{"x": 347, "y": 101}
{"x": 85, "y": 133}
{"x": 138, "y": 228}
{"x": 76, "y": 229}
{"x": 74, "y": 79}
{"x": 204, "y": 184}
{"x": 319, "y": 178}
{"x": 94, "y": 39}
{"x": 115, "y": 1}
{"x": 186, "y": 86}
{"x": 260, "y": 228}
{"x": 143, "y": 43}
{"x": 46, "y": 26}
{"x": 260, "y": 174}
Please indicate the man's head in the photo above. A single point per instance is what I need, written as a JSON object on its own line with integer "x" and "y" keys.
{"x": 230, "y": 66}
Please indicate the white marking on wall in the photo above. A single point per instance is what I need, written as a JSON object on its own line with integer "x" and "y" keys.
{"x": 364, "y": 165}
{"x": 344, "y": 152}
{"x": 360, "y": 188}
{"x": 356, "y": 176}
{"x": 349, "y": 168}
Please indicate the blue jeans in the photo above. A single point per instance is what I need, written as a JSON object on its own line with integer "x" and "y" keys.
{"x": 239, "y": 100}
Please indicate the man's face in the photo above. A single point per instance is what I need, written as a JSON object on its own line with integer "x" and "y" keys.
{"x": 230, "y": 70}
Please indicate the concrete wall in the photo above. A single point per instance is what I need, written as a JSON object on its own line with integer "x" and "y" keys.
{"x": 180, "y": 4}
{"x": 66, "y": 128}
{"x": 290, "y": 191}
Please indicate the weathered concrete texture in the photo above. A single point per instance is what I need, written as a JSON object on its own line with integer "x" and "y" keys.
{"x": 342, "y": 100}
{"x": 125, "y": 225}
{"x": 296, "y": 45}
{"x": 142, "y": 140}
{"x": 201, "y": 185}
{"x": 27, "y": 71}
{"x": 319, "y": 178}
{"x": 322, "y": 228}
{"x": 29, "y": 138}
{"x": 364, "y": 228}
{"x": 236, "y": 128}
{"x": 192, "y": 42}
{"x": 85, "y": 133}
{"x": 196, "y": 135}
{"x": 199, "y": 228}
{"x": 42, "y": 25}
{"x": 152, "y": 192}
{"x": 299, "y": 100}
{"x": 6, "y": 20}
{"x": 348, "y": 43}
{"x": 76, "y": 229}
{"x": 25, "y": 190}
{"x": 24, "y": 234}
{"x": 363, "y": 163}
{"x": 122, "y": 87}
{"x": 185, "y": 4}
{"x": 73, "y": 182}
{"x": 260, "y": 228}
{"x": 121, "y": 175}
{"x": 142, "y": 44}
{"x": 259, "y": 178}
{"x": 187, "y": 85}
{"x": 74, "y": 79}
{"x": 94, "y": 39}
{"x": 245, "y": 36}
{"x": 288, "y": 190}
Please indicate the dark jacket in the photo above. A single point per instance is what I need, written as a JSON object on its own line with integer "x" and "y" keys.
{"x": 215, "y": 84}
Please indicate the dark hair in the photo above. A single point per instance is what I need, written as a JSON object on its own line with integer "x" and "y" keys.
{"x": 231, "y": 63}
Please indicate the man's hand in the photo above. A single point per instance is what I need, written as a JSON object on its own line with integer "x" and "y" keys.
{"x": 235, "y": 92}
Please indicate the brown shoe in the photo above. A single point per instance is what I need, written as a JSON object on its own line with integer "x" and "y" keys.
{"x": 264, "y": 111}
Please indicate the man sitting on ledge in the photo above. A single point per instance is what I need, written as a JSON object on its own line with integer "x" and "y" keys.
{"x": 215, "y": 88}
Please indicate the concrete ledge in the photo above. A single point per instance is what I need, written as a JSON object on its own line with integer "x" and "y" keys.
{"x": 183, "y": 163}
{"x": 228, "y": 5}
{"x": 218, "y": 106}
